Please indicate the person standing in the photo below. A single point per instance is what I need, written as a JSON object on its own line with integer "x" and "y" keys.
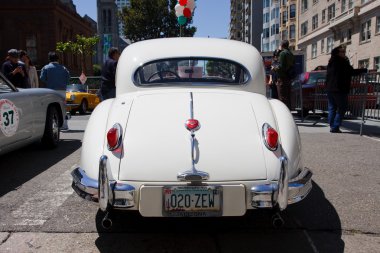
{"x": 108, "y": 87}
{"x": 273, "y": 75}
{"x": 30, "y": 68}
{"x": 56, "y": 77}
{"x": 338, "y": 82}
{"x": 286, "y": 64}
{"x": 15, "y": 70}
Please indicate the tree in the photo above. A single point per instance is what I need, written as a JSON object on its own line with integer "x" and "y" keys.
{"x": 146, "y": 19}
{"x": 83, "y": 46}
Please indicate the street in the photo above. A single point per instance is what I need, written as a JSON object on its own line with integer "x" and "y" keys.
{"x": 39, "y": 211}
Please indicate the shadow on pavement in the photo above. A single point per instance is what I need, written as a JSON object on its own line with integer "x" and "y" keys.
{"x": 19, "y": 166}
{"x": 312, "y": 225}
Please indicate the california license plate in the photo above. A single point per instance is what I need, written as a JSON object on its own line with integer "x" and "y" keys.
{"x": 192, "y": 201}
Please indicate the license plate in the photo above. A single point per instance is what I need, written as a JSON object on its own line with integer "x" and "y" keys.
{"x": 192, "y": 201}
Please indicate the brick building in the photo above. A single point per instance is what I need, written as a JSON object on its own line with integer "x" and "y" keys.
{"x": 36, "y": 26}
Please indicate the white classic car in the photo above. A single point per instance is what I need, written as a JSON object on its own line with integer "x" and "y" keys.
{"x": 29, "y": 115}
{"x": 191, "y": 133}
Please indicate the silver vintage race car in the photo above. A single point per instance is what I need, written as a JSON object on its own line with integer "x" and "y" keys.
{"x": 191, "y": 133}
{"x": 29, "y": 115}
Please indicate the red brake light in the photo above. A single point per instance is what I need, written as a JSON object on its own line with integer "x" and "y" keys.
{"x": 114, "y": 137}
{"x": 192, "y": 124}
{"x": 270, "y": 137}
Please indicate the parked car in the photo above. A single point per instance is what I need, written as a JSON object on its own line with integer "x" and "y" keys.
{"x": 29, "y": 115}
{"x": 78, "y": 98}
{"x": 307, "y": 82}
{"x": 191, "y": 133}
{"x": 314, "y": 95}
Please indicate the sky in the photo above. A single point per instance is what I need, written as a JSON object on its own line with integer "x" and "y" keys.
{"x": 211, "y": 17}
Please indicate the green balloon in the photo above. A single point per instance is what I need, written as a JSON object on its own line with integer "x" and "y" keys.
{"x": 182, "y": 20}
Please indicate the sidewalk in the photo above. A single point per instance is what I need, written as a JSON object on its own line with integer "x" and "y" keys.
{"x": 318, "y": 124}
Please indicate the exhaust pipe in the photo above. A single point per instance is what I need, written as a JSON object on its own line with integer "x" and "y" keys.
{"x": 277, "y": 221}
{"x": 106, "y": 222}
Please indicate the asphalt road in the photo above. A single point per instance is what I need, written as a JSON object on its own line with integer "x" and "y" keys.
{"x": 39, "y": 212}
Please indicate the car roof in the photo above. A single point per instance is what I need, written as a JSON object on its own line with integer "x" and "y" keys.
{"x": 140, "y": 53}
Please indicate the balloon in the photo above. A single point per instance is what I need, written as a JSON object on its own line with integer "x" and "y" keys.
{"x": 190, "y": 4}
{"x": 187, "y": 12}
{"x": 182, "y": 2}
{"x": 182, "y": 20}
{"x": 179, "y": 10}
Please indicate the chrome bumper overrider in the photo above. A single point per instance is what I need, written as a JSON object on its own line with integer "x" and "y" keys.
{"x": 284, "y": 191}
{"x": 106, "y": 191}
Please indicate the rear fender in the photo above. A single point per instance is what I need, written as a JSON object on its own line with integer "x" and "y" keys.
{"x": 289, "y": 136}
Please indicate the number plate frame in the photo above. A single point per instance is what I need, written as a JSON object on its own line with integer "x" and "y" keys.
{"x": 217, "y": 211}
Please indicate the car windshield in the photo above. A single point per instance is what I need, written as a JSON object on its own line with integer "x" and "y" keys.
{"x": 191, "y": 71}
{"x": 76, "y": 88}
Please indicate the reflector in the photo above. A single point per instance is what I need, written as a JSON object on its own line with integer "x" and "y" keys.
{"x": 112, "y": 138}
{"x": 272, "y": 138}
{"x": 192, "y": 124}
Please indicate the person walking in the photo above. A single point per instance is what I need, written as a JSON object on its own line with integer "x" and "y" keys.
{"x": 30, "y": 68}
{"x": 108, "y": 87}
{"x": 56, "y": 77}
{"x": 15, "y": 70}
{"x": 338, "y": 82}
{"x": 286, "y": 64}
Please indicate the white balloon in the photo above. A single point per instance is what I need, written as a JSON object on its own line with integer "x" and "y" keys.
{"x": 190, "y": 4}
{"x": 179, "y": 10}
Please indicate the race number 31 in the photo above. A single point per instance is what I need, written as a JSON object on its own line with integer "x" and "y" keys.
{"x": 9, "y": 117}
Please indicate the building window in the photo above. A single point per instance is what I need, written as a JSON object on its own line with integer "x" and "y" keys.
{"x": 31, "y": 47}
{"x": 284, "y": 17}
{"x": 292, "y": 34}
{"x": 331, "y": 12}
{"x": 314, "y": 22}
{"x": 363, "y": 64}
{"x": 283, "y": 2}
{"x": 292, "y": 13}
{"x": 365, "y": 33}
{"x": 304, "y": 5}
{"x": 266, "y": 33}
{"x": 377, "y": 30}
{"x": 343, "y": 6}
{"x": 323, "y": 16}
{"x": 342, "y": 36}
{"x": 376, "y": 63}
{"x": 304, "y": 28}
{"x": 349, "y": 34}
{"x": 266, "y": 3}
{"x": 314, "y": 50}
{"x": 266, "y": 17}
{"x": 322, "y": 46}
{"x": 350, "y": 4}
{"x": 330, "y": 44}
{"x": 284, "y": 35}
{"x": 315, "y": 1}
{"x": 364, "y": 1}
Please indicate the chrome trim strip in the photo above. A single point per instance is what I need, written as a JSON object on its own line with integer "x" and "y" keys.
{"x": 283, "y": 182}
{"x": 119, "y": 138}
{"x": 105, "y": 196}
{"x": 193, "y": 174}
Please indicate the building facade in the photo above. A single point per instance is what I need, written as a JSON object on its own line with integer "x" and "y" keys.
{"x": 108, "y": 28}
{"x": 325, "y": 24}
{"x": 120, "y": 5}
{"x": 36, "y": 26}
{"x": 288, "y": 22}
{"x": 246, "y": 21}
{"x": 271, "y": 25}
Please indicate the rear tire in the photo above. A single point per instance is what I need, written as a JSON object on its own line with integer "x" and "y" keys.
{"x": 50, "y": 138}
{"x": 83, "y": 107}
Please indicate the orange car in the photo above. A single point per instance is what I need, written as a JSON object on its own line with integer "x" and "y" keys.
{"x": 78, "y": 98}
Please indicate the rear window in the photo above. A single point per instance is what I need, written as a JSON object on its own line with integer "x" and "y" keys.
{"x": 191, "y": 71}
{"x": 316, "y": 77}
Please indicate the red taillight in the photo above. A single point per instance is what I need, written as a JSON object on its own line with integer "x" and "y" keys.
{"x": 114, "y": 137}
{"x": 270, "y": 137}
{"x": 192, "y": 124}
{"x": 306, "y": 77}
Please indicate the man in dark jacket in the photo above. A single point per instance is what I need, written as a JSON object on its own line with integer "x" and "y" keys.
{"x": 286, "y": 63}
{"x": 338, "y": 82}
{"x": 108, "y": 87}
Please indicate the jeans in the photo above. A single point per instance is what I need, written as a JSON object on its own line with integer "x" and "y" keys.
{"x": 337, "y": 108}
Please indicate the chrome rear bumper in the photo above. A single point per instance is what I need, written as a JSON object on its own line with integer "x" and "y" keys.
{"x": 283, "y": 192}
{"x": 120, "y": 195}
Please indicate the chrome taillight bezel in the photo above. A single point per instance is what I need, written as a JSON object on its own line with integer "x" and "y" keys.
{"x": 265, "y": 129}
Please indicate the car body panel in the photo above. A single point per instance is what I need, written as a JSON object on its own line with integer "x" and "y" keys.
{"x": 31, "y": 107}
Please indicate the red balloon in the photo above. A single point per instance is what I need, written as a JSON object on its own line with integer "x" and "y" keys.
{"x": 182, "y": 2}
{"x": 187, "y": 12}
